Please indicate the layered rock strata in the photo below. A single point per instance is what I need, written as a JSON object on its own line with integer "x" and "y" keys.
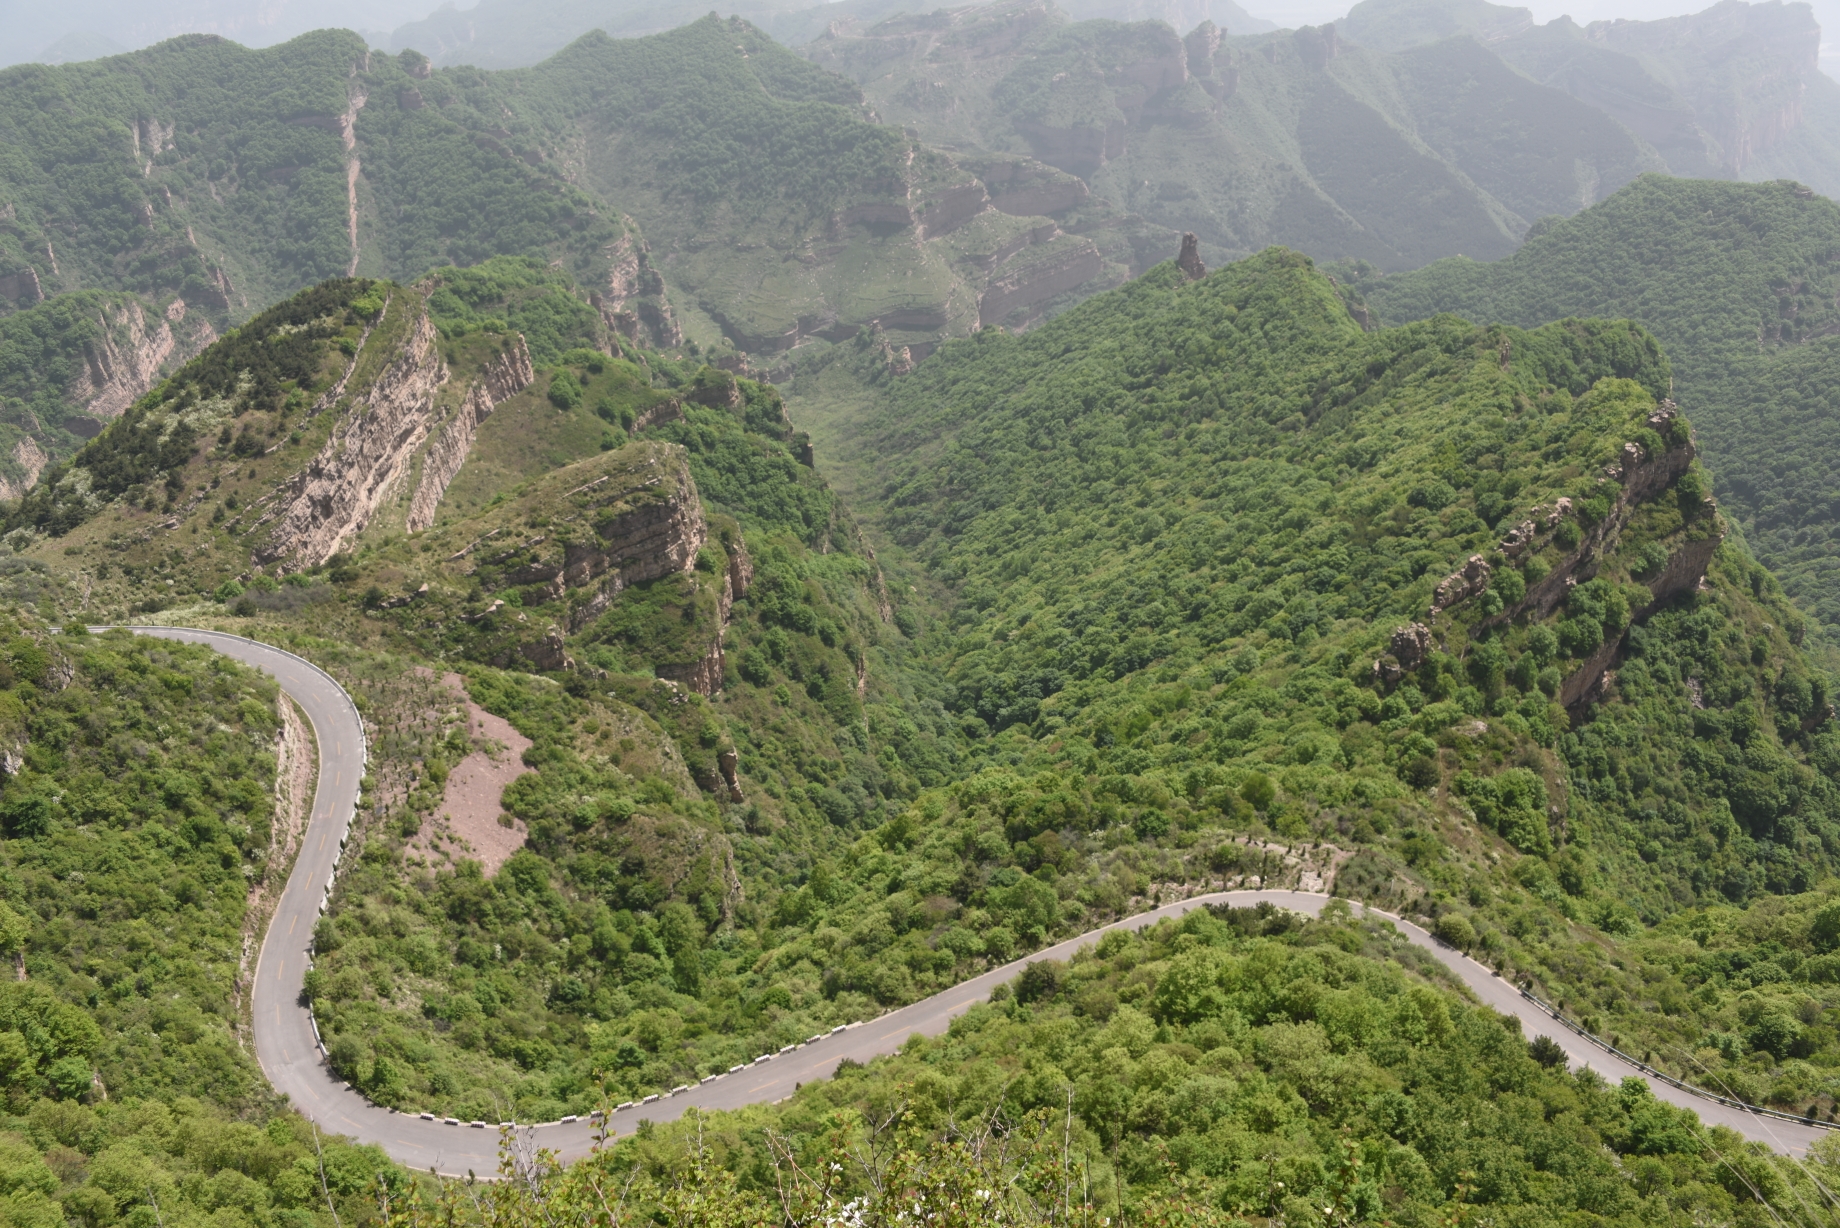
{"x": 502, "y": 378}
{"x": 331, "y": 500}
{"x": 704, "y": 675}
{"x": 1638, "y": 476}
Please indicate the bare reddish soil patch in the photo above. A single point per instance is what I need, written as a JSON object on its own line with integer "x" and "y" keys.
{"x": 469, "y": 805}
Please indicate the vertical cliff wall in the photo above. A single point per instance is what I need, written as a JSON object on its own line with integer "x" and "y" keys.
{"x": 502, "y": 378}
{"x": 333, "y": 498}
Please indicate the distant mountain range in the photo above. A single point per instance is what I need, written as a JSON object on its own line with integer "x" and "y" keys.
{"x": 1411, "y": 130}
{"x": 489, "y": 34}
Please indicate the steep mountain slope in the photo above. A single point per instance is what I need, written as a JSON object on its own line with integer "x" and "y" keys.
{"x": 1737, "y": 281}
{"x": 220, "y": 178}
{"x": 154, "y": 798}
{"x": 69, "y": 365}
{"x": 90, "y": 29}
{"x": 378, "y": 475}
{"x": 1732, "y": 92}
{"x": 1433, "y": 595}
{"x": 1295, "y": 138}
{"x": 1233, "y": 589}
{"x": 828, "y": 224}
{"x": 1235, "y": 1066}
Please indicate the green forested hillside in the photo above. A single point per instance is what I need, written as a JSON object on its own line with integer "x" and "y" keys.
{"x": 1200, "y": 582}
{"x": 140, "y": 840}
{"x": 1699, "y": 89}
{"x": 69, "y": 364}
{"x": 703, "y": 183}
{"x": 1737, "y": 282}
{"x": 1242, "y": 1066}
{"x": 1182, "y": 522}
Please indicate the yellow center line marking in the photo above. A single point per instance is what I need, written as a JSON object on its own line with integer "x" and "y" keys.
{"x": 293, "y": 923}
{"x": 768, "y": 1084}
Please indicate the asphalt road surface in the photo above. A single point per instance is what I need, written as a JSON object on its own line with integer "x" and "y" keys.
{"x": 287, "y": 1044}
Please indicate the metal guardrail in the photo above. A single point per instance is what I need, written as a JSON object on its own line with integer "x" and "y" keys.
{"x": 1755, "y": 1109}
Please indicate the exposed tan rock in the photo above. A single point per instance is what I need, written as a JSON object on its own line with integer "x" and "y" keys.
{"x": 1405, "y": 651}
{"x": 740, "y": 572}
{"x": 633, "y": 301}
{"x": 335, "y": 496}
{"x": 31, "y": 460}
{"x": 703, "y": 676}
{"x": 1459, "y": 586}
{"x": 22, "y": 287}
{"x": 1066, "y": 262}
{"x": 722, "y": 392}
{"x": 665, "y": 411}
{"x": 550, "y": 652}
{"x": 730, "y": 764}
{"x": 1411, "y": 644}
{"x": 1023, "y": 187}
{"x": 949, "y": 208}
{"x": 502, "y": 378}
{"x": 647, "y": 523}
{"x": 124, "y": 362}
{"x": 1190, "y": 259}
{"x": 1518, "y": 539}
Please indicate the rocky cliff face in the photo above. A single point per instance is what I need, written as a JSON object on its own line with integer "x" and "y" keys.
{"x": 1023, "y": 187}
{"x": 133, "y": 349}
{"x": 335, "y": 496}
{"x": 31, "y": 460}
{"x": 501, "y": 379}
{"x": 633, "y": 301}
{"x": 1639, "y": 476}
{"x": 640, "y": 520}
{"x": 1050, "y": 269}
{"x": 125, "y": 361}
{"x": 1710, "y": 91}
{"x": 704, "y": 675}
{"x": 1685, "y": 569}
{"x": 1743, "y": 69}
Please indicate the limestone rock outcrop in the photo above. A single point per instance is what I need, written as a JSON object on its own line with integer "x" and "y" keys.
{"x": 124, "y": 361}
{"x": 1459, "y": 586}
{"x": 331, "y": 500}
{"x": 704, "y": 676}
{"x": 633, "y": 301}
{"x": 1051, "y": 268}
{"x": 501, "y": 379}
{"x": 1405, "y": 651}
{"x": 31, "y": 460}
{"x": 1189, "y": 261}
{"x": 647, "y": 523}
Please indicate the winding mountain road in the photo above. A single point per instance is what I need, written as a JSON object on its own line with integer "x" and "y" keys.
{"x": 287, "y": 1043}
